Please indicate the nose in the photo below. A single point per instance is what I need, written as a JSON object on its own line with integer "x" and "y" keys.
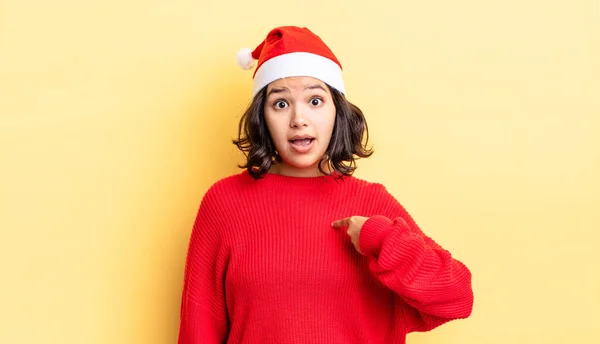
{"x": 298, "y": 119}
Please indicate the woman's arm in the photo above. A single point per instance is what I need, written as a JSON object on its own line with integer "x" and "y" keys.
{"x": 203, "y": 318}
{"x": 422, "y": 273}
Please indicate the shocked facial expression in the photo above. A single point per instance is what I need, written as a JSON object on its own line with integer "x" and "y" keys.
{"x": 300, "y": 115}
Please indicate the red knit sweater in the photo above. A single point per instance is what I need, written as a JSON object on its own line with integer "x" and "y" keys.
{"x": 265, "y": 266}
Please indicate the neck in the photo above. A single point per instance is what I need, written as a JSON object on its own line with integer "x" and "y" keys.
{"x": 291, "y": 171}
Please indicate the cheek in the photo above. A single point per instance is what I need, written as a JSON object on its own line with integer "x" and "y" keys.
{"x": 274, "y": 126}
{"x": 326, "y": 123}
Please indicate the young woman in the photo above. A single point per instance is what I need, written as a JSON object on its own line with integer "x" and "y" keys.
{"x": 294, "y": 249}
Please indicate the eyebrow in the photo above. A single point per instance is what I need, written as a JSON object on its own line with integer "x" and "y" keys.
{"x": 287, "y": 90}
{"x": 277, "y": 90}
{"x": 313, "y": 87}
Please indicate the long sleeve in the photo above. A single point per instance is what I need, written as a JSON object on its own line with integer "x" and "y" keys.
{"x": 435, "y": 287}
{"x": 203, "y": 318}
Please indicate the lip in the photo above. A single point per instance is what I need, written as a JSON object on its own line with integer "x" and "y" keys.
{"x": 302, "y": 149}
{"x": 300, "y": 137}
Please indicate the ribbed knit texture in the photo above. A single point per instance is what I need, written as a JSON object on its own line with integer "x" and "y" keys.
{"x": 265, "y": 266}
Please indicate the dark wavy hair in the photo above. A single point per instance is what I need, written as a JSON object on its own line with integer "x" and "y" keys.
{"x": 348, "y": 142}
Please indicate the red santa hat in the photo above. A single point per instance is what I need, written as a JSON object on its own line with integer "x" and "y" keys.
{"x": 292, "y": 51}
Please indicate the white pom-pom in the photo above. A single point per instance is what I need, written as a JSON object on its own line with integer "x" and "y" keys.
{"x": 244, "y": 58}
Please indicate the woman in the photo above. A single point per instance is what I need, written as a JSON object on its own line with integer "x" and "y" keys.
{"x": 294, "y": 249}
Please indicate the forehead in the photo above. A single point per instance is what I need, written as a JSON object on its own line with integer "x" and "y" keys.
{"x": 296, "y": 83}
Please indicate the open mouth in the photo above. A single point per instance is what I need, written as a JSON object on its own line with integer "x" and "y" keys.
{"x": 302, "y": 142}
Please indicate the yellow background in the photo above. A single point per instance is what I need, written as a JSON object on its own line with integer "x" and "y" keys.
{"x": 116, "y": 116}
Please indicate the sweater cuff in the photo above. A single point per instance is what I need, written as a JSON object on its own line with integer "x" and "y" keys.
{"x": 372, "y": 233}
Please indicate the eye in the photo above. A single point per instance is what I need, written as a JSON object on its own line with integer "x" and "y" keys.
{"x": 316, "y": 101}
{"x": 280, "y": 104}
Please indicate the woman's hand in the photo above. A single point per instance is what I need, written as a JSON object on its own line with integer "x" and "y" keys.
{"x": 353, "y": 225}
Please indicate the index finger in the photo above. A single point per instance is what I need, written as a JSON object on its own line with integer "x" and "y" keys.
{"x": 341, "y": 223}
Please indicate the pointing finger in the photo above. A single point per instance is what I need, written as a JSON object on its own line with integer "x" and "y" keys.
{"x": 341, "y": 223}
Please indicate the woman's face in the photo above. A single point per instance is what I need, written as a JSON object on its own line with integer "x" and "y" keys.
{"x": 300, "y": 115}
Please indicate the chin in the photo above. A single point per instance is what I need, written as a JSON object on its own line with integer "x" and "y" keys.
{"x": 302, "y": 163}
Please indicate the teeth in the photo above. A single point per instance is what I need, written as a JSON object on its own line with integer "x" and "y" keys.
{"x": 302, "y": 142}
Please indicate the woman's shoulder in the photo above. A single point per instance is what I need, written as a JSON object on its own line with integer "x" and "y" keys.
{"x": 229, "y": 183}
{"x": 223, "y": 192}
{"x": 378, "y": 194}
{"x": 370, "y": 186}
